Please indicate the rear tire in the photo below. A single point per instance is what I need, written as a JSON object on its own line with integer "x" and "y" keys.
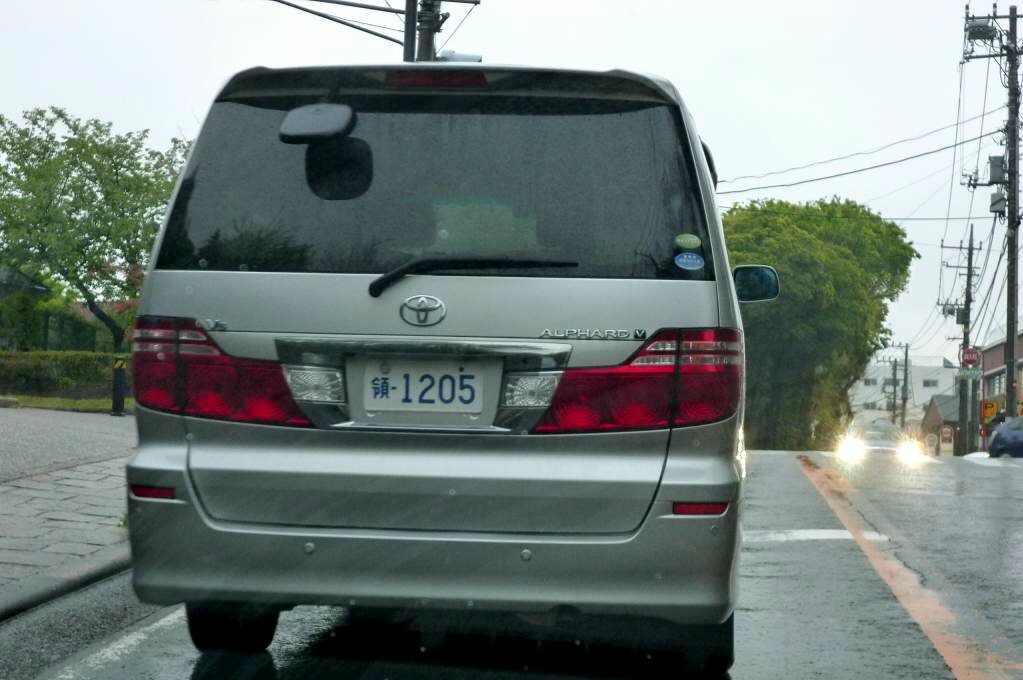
{"x": 230, "y": 628}
{"x": 995, "y": 453}
{"x": 710, "y": 650}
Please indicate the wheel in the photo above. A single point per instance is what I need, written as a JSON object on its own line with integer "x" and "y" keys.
{"x": 710, "y": 650}
{"x": 995, "y": 453}
{"x": 232, "y": 628}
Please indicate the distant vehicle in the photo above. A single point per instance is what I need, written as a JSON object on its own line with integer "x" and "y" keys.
{"x": 448, "y": 343}
{"x": 1007, "y": 440}
{"x": 878, "y": 437}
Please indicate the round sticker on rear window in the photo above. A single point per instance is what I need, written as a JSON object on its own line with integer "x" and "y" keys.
{"x": 688, "y": 242}
{"x": 689, "y": 261}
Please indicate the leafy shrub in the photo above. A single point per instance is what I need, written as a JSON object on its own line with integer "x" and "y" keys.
{"x": 68, "y": 374}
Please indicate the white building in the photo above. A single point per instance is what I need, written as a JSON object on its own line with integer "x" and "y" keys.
{"x": 871, "y": 396}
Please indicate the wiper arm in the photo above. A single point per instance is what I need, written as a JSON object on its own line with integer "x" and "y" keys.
{"x": 420, "y": 265}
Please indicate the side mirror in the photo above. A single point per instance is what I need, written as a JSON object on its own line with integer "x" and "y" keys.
{"x": 316, "y": 122}
{"x": 756, "y": 283}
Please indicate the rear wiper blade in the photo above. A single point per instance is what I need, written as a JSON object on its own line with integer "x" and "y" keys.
{"x": 420, "y": 265}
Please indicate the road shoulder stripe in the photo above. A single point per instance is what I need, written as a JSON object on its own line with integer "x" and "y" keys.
{"x": 967, "y": 658}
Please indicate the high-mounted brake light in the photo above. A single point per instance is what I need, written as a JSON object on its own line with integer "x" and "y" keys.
{"x": 443, "y": 78}
{"x": 679, "y": 377}
{"x": 178, "y": 368}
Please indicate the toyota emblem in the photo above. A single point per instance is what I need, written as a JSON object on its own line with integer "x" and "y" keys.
{"x": 423, "y": 310}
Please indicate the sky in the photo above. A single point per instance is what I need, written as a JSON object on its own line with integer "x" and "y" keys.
{"x": 772, "y": 84}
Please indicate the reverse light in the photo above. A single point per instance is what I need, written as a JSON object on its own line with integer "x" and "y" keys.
{"x": 313, "y": 384}
{"x": 529, "y": 390}
{"x": 178, "y": 368}
{"x": 678, "y": 378}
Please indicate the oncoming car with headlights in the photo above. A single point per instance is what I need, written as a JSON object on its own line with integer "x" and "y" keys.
{"x": 444, "y": 345}
{"x": 878, "y": 437}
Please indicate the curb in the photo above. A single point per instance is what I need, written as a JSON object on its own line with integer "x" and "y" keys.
{"x": 32, "y": 591}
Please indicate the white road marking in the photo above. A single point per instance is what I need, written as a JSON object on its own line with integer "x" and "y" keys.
{"x": 763, "y": 536}
{"x": 121, "y": 646}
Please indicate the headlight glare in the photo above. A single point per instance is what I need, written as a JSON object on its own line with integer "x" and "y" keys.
{"x": 851, "y": 448}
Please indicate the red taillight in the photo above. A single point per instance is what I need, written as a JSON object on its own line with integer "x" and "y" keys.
{"x": 682, "y": 377}
{"x": 698, "y": 508}
{"x": 162, "y": 492}
{"x": 710, "y": 375}
{"x": 436, "y": 79}
{"x": 179, "y": 368}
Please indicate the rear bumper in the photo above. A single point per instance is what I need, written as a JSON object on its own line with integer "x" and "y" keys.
{"x": 679, "y": 569}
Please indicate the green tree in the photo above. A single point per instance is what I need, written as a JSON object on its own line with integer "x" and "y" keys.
{"x": 82, "y": 204}
{"x": 840, "y": 266}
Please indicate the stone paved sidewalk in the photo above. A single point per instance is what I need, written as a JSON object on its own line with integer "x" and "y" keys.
{"x": 51, "y": 519}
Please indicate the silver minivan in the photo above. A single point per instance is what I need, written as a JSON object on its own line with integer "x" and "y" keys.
{"x": 444, "y": 344}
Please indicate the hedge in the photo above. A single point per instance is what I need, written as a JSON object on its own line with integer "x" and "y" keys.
{"x": 66, "y": 374}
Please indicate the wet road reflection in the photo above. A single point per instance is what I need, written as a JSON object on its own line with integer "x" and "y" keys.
{"x": 392, "y": 652}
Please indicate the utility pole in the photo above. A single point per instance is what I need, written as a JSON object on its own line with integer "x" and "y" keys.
{"x": 965, "y": 440}
{"x": 1012, "y": 228}
{"x": 430, "y": 22}
{"x": 423, "y": 16}
{"x": 963, "y": 314}
{"x": 411, "y": 20}
{"x": 1005, "y": 43}
{"x": 905, "y": 384}
{"x": 895, "y": 383}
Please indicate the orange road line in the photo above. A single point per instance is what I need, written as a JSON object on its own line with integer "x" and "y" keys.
{"x": 967, "y": 658}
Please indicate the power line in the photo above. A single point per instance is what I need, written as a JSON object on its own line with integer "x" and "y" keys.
{"x": 401, "y": 19}
{"x": 938, "y": 329}
{"x": 859, "y": 170}
{"x": 381, "y": 27}
{"x": 466, "y": 16}
{"x": 928, "y": 199}
{"x": 994, "y": 277}
{"x": 927, "y": 327}
{"x": 975, "y": 173}
{"x": 951, "y": 179}
{"x": 994, "y": 310}
{"x": 987, "y": 77}
{"x": 990, "y": 243}
{"x": 338, "y": 20}
{"x": 911, "y": 184}
{"x": 860, "y": 153}
{"x": 726, "y": 208}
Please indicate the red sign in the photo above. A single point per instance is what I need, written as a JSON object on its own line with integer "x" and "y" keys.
{"x": 971, "y": 356}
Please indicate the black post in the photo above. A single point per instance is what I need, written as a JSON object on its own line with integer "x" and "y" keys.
{"x": 120, "y": 384}
{"x": 409, "y": 45}
{"x": 905, "y": 385}
{"x": 965, "y": 443}
{"x": 1012, "y": 226}
{"x": 895, "y": 388}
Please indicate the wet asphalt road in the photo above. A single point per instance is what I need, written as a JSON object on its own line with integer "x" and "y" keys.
{"x": 931, "y": 576}
{"x": 35, "y": 441}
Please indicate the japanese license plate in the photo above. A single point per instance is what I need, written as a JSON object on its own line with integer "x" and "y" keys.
{"x": 428, "y": 386}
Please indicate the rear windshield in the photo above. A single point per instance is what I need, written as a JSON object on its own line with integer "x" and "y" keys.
{"x": 608, "y": 184}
